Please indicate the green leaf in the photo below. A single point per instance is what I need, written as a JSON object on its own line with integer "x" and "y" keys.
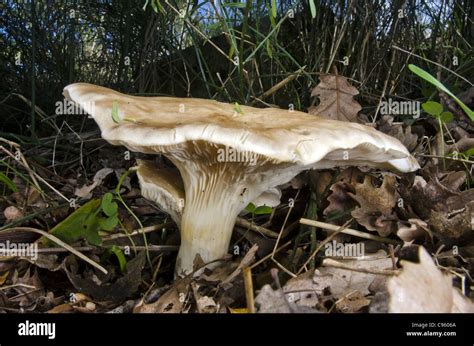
{"x": 234, "y": 4}
{"x": 115, "y": 115}
{"x": 237, "y": 108}
{"x": 108, "y": 206}
{"x": 433, "y": 108}
{"x": 250, "y": 208}
{"x": 114, "y": 249}
{"x": 469, "y": 152}
{"x": 263, "y": 210}
{"x": 274, "y": 8}
{"x": 446, "y": 117}
{"x": 108, "y": 223}
{"x": 312, "y": 8}
{"x": 81, "y": 224}
{"x": 430, "y": 79}
{"x": 8, "y": 182}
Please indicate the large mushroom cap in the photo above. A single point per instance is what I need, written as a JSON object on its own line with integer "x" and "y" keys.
{"x": 159, "y": 124}
{"x": 228, "y": 155}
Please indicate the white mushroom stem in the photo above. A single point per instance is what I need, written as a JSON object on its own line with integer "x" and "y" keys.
{"x": 215, "y": 194}
{"x": 206, "y": 226}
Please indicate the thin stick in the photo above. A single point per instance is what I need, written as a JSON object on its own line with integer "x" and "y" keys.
{"x": 247, "y": 273}
{"x": 265, "y": 231}
{"x": 353, "y": 232}
{"x": 328, "y": 239}
{"x": 138, "y": 231}
{"x": 279, "y": 237}
{"x": 152, "y": 248}
{"x": 328, "y": 262}
{"x": 60, "y": 243}
{"x": 281, "y": 84}
{"x": 263, "y": 259}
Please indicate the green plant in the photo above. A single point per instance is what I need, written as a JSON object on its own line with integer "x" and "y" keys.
{"x": 261, "y": 210}
{"x": 8, "y": 182}
{"x": 430, "y": 79}
{"x": 435, "y": 109}
{"x": 87, "y": 221}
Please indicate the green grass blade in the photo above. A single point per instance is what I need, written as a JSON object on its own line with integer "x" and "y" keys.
{"x": 430, "y": 79}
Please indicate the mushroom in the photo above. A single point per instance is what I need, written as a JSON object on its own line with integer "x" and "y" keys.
{"x": 164, "y": 186}
{"x": 228, "y": 155}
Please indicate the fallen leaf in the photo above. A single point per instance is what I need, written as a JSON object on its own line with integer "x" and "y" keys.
{"x": 85, "y": 191}
{"x": 336, "y": 99}
{"x": 172, "y": 301}
{"x": 125, "y": 286}
{"x": 340, "y": 282}
{"x": 376, "y": 205}
{"x": 352, "y": 302}
{"x": 340, "y": 202}
{"x": 423, "y": 288}
{"x": 399, "y": 131}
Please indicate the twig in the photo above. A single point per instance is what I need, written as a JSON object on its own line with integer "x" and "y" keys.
{"x": 247, "y": 273}
{"x": 138, "y": 231}
{"x": 18, "y": 285}
{"x": 353, "y": 232}
{"x": 60, "y": 243}
{"x": 263, "y": 259}
{"x": 328, "y": 262}
{"x": 328, "y": 239}
{"x": 279, "y": 237}
{"x": 265, "y": 231}
{"x": 153, "y": 248}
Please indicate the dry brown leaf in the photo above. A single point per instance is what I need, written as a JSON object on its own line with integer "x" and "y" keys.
{"x": 247, "y": 260}
{"x": 336, "y": 99}
{"x": 403, "y": 134}
{"x": 204, "y": 304}
{"x": 86, "y": 190}
{"x": 271, "y": 301}
{"x": 447, "y": 210}
{"x": 342, "y": 282}
{"x": 423, "y": 288}
{"x": 455, "y": 226}
{"x": 61, "y": 309}
{"x": 376, "y": 205}
{"x": 340, "y": 201}
{"x": 352, "y": 302}
{"x": 299, "y": 294}
{"x": 172, "y": 301}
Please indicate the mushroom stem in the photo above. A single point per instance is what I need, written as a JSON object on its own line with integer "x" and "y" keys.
{"x": 213, "y": 200}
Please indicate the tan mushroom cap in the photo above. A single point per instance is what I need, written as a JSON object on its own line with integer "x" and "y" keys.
{"x": 159, "y": 124}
